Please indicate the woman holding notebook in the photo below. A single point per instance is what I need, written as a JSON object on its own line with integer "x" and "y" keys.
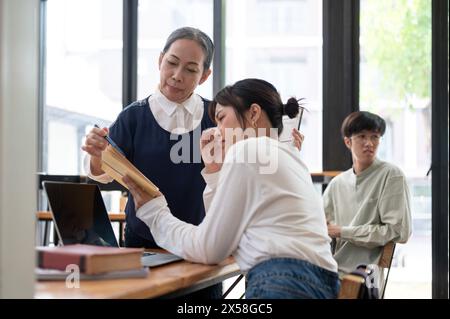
{"x": 261, "y": 205}
{"x": 173, "y": 117}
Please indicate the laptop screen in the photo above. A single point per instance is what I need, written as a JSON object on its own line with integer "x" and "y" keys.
{"x": 79, "y": 214}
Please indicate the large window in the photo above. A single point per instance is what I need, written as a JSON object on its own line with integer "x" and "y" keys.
{"x": 156, "y": 22}
{"x": 83, "y": 77}
{"x": 281, "y": 41}
{"x": 396, "y": 84}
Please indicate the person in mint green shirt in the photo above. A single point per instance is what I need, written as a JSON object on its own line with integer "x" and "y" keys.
{"x": 368, "y": 205}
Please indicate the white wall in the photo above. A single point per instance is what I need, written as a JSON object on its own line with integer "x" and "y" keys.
{"x": 19, "y": 30}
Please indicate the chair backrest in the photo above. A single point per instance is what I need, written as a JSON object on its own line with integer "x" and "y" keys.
{"x": 387, "y": 255}
{"x": 351, "y": 287}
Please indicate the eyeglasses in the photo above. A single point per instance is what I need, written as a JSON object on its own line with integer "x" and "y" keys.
{"x": 363, "y": 138}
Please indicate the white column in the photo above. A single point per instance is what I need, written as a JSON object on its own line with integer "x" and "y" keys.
{"x": 19, "y": 36}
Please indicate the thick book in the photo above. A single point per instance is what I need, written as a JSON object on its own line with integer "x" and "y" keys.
{"x": 54, "y": 274}
{"x": 117, "y": 166}
{"x": 90, "y": 259}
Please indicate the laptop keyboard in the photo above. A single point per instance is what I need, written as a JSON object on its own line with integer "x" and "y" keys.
{"x": 151, "y": 259}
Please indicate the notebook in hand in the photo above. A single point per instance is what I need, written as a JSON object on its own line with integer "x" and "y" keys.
{"x": 89, "y": 258}
{"x": 289, "y": 124}
{"x": 116, "y": 165}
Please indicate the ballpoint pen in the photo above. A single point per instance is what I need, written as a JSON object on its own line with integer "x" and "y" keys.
{"x": 111, "y": 142}
{"x": 302, "y": 108}
{"x": 300, "y": 119}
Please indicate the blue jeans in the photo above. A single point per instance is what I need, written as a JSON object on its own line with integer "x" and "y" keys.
{"x": 289, "y": 278}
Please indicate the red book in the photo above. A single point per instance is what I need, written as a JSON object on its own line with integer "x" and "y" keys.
{"x": 90, "y": 259}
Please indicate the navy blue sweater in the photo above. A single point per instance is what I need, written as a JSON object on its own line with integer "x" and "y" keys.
{"x": 152, "y": 150}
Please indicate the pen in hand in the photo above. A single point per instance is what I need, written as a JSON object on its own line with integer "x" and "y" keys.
{"x": 300, "y": 119}
{"x": 111, "y": 142}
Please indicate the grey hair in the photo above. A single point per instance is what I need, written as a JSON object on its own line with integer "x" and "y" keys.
{"x": 196, "y": 35}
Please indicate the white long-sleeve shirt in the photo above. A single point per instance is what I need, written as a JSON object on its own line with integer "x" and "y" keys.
{"x": 373, "y": 209}
{"x": 254, "y": 212}
{"x": 172, "y": 117}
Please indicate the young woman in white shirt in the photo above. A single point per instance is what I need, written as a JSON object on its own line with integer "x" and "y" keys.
{"x": 261, "y": 206}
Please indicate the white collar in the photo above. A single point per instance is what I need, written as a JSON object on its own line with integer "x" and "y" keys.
{"x": 169, "y": 107}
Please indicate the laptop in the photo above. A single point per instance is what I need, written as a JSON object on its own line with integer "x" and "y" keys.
{"x": 80, "y": 217}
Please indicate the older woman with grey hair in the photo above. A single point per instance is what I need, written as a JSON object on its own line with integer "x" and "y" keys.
{"x": 154, "y": 131}
{"x": 148, "y": 130}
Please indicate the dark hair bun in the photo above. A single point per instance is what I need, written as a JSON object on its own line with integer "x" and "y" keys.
{"x": 291, "y": 108}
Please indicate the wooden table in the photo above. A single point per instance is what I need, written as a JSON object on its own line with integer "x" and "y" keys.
{"x": 47, "y": 216}
{"x": 169, "y": 280}
{"x": 324, "y": 178}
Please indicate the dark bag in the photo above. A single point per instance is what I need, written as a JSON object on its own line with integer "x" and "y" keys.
{"x": 369, "y": 290}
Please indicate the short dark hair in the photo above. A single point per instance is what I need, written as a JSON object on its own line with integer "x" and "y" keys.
{"x": 360, "y": 121}
{"x": 244, "y": 93}
{"x": 196, "y": 35}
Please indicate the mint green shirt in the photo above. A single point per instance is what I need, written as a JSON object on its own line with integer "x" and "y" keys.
{"x": 373, "y": 209}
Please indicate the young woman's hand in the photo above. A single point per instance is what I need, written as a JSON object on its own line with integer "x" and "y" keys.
{"x": 212, "y": 149}
{"x": 334, "y": 231}
{"x": 140, "y": 197}
{"x": 298, "y": 138}
{"x": 95, "y": 142}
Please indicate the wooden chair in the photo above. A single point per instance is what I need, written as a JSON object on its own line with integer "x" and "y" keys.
{"x": 385, "y": 262}
{"x": 351, "y": 285}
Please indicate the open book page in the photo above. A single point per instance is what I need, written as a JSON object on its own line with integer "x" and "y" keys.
{"x": 116, "y": 165}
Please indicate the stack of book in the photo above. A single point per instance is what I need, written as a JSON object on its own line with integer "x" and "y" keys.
{"x": 91, "y": 262}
